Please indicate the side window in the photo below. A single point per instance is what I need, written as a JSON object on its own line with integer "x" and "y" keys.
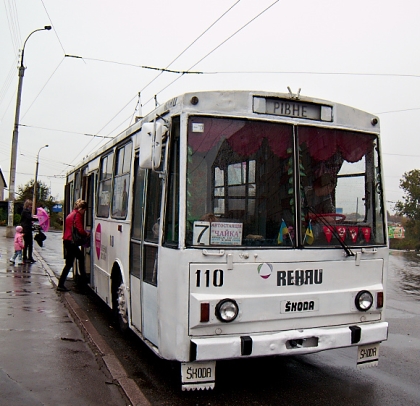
{"x": 154, "y": 185}
{"x": 137, "y": 219}
{"x": 104, "y": 189}
{"x": 121, "y": 181}
{"x": 76, "y": 194}
{"x": 172, "y": 207}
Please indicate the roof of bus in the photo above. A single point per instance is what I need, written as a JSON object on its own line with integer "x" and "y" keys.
{"x": 226, "y": 102}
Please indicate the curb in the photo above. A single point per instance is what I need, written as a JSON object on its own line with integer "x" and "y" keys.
{"x": 115, "y": 368}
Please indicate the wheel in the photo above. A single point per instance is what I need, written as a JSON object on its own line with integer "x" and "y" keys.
{"x": 120, "y": 306}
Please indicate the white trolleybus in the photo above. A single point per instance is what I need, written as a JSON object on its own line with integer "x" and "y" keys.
{"x": 238, "y": 224}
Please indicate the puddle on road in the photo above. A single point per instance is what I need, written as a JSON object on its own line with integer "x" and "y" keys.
{"x": 406, "y": 267}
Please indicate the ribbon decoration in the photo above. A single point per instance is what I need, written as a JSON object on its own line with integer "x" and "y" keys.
{"x": 341, "y": 230}
{"x": 366, "y": 231}
{"x": 328, "y": 233}
{"x": 353, "y": 231}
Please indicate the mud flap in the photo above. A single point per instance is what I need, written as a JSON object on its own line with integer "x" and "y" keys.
{"x": 367, "y": 355}
{"x": 198, "y": 375}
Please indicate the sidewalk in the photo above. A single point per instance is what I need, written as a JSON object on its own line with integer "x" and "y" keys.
{"x": 44, "y": 357}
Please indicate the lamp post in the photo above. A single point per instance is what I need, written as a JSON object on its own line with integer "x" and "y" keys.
{"x": 13, "y": 158}
{"x": 36, "y": 181}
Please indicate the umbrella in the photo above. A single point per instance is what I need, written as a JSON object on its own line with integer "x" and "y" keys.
{"x": 43, "y": 218}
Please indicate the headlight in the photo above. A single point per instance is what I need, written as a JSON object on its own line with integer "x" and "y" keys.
{"x": 227, "y": 310}
{"x": 364, "y": 300}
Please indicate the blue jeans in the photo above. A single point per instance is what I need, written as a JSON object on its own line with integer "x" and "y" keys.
{"x": 17, "y": 254}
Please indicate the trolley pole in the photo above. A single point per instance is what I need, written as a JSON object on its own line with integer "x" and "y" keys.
{"x": 13, "y": 157}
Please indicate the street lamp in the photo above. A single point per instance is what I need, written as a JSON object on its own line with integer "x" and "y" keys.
{"x": 13, "y": 158}
{"x": 36, "y": 181}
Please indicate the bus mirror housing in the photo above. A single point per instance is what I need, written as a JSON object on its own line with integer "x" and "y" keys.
{"x": 151, "y": 145}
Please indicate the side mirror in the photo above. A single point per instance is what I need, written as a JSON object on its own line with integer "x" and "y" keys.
{"x": 150, "y": 145}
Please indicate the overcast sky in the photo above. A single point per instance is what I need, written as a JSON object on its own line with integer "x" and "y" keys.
{"x": 364, "y": 53}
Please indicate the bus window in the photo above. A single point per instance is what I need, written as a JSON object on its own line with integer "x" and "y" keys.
{"x": 241, "y": 172}
{"x": 151, "y": 228}
{"x": 151, "y": 232}
{"x": 77, "y": 194}
{"x": 340, "y": 196}
{"x": 138, "y": 201}
{"x": 104, "y": 189}
{"x": 150, "y": 264}
{"x": 121, "y": 181}
{"x": 137, "y": 219}
{"x": 172, "y": 206}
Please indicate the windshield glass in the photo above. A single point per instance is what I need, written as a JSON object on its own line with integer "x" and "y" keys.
{"x": 247, "y": 185}
{"x": 341, "y": 189}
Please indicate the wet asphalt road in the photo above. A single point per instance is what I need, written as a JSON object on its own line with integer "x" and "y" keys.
{"x": 327, "y": 378}
{"x": 44, "y": 358}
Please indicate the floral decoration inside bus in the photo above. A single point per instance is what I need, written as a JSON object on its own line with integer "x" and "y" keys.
{"x": 248, "y": 182}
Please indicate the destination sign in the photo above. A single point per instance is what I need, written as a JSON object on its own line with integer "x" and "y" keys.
{"x": 292, "y": 108}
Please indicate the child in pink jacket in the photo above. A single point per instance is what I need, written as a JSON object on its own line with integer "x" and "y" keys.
{"x": 19, "y": 244}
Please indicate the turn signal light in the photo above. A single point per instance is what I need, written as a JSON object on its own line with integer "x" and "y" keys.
{"x": 204, "y": 312}
{"x": 380, "y": 300}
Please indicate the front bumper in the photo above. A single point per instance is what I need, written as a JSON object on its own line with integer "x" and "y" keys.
{"x": 291, "y": 342}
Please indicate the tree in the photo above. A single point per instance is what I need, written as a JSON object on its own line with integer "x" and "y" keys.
{"x": 44, "y": 199}
{"x": 410, "y": 206}
{"x": 43, "y": 193}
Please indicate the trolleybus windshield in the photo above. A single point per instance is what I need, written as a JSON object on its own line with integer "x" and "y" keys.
{"x": 254, "y": 183}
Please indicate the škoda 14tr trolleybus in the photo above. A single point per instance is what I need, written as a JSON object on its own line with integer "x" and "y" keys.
{"x": 238, "y": 224}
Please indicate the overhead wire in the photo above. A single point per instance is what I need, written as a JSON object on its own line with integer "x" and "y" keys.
{"x": 189, "y": 46}
{"x": 162, "y": 70}
{"x": 398, "y": 111}
{"x": 13, "y": 23}
{"x": 5, "y": 88}
{"x": 55, "y": 31}
{"x": 55, "y": 70}
{"x": 7, "y": 81}
{"x": 192, "y": 43}
{"x": 15, "y": 13}
{"x": 166, "y": 69}
{"x": 43, "y": 87}
{"x": 90, "y": 141}
{"x": 312, "y": 73}
{"x": 218, "y": 46}
{"x": 64, "y": 131}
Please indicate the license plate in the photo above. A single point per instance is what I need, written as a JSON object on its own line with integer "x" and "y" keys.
{"x": 367, "y": 355}
{"x": 198, "y": 375}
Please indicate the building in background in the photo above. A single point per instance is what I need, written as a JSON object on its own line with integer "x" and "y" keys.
{"x": 3, "y": 185}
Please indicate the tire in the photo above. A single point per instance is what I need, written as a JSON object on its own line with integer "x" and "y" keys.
{"x": 120, "y": 306}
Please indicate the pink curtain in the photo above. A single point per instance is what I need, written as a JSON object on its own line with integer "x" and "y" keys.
{"x": 245, "y": 138}
{"x": 323, "y": 143}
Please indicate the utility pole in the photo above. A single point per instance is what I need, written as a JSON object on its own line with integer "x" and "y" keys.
{"x": 13, "y": 157}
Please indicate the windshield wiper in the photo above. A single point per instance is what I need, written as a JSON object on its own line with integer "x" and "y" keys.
{"x": 326, "y": 223}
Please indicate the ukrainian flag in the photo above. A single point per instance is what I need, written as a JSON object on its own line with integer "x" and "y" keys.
{"x": 309, "y": 234}
{"x": 282, "y": 232}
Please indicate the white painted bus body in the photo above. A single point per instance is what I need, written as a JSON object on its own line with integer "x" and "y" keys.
{"x": 304, "y": 301}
